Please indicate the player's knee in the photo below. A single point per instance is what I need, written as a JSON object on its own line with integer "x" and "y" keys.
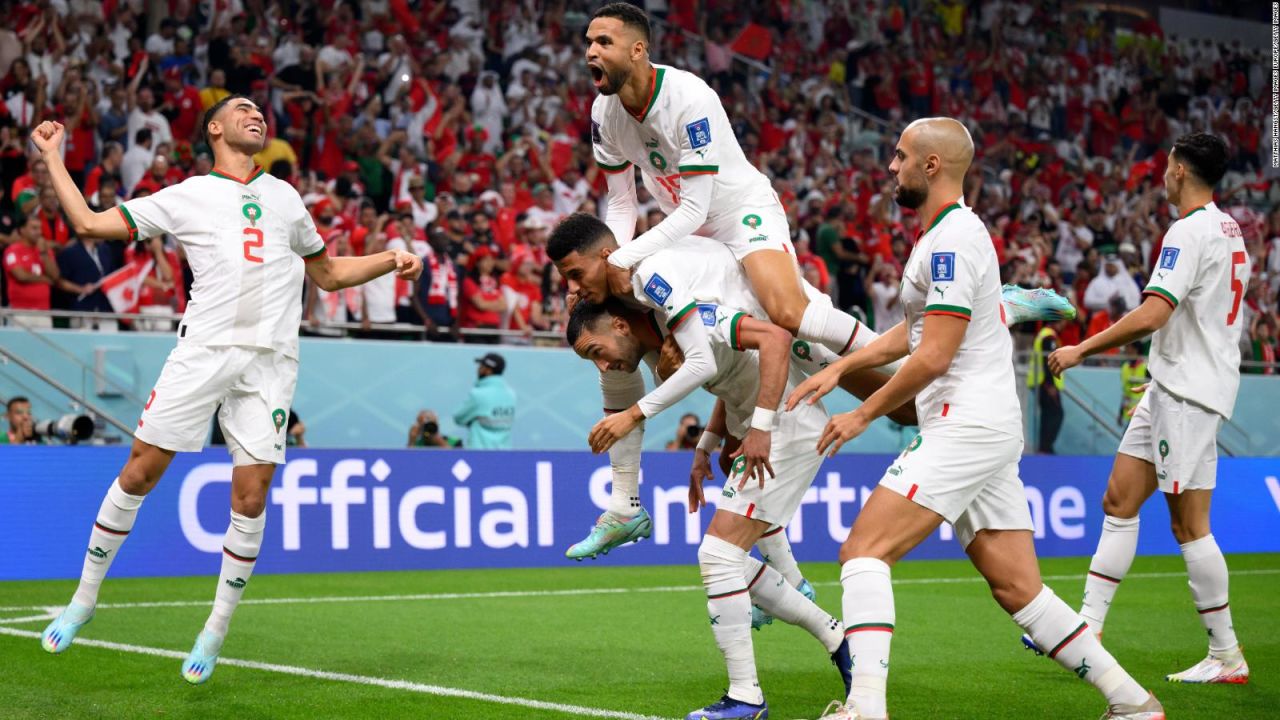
{"x": 136, "y": 478}
{"x": 857, "y": 546}
{"x": 1187, "y": 530}
{"x": 249, "y": 504}
{"x": 1013, "y": 594}
{"x": 786, "y": 314}
{"x": 1116, "y": 504}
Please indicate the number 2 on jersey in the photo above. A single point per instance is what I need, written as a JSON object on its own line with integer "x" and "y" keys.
{"x": 1237, "y": 287}
{"x": 249, "y": 245}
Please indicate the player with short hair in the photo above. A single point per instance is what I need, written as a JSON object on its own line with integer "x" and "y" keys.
{"x": 755, "y": 365}
{"x": 963, "y": 466}
{"x": 1192, "y": 311}
{"x": 246, "y": 235}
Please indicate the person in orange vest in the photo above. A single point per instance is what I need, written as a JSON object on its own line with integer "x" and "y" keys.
{"x": 1133, "y": 383}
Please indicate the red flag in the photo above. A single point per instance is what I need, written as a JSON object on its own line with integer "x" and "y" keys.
{"x": 754, "y": 41}
{"x": 122, "y": 286}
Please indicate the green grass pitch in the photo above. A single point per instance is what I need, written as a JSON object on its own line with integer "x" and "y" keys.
{"x": 608, "y": 641}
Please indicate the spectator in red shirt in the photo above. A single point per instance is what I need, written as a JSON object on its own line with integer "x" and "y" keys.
{"x": 436, "y": 295}
{"x": 52, "y": 224}
{"x": 108, "y": 166}
{"x": 161, "y": 291}
{"x": 30, "y": 272}
{"x": 482, "y": 304}
{"x": 159, "y": 176}
{"x": 182, "y": 106}
{"x": 522, "y": 291}
{"x": 1104, "y": 319}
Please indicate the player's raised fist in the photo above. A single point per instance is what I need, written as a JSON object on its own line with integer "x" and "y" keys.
{"x": 48, "y": 136}
{"x": 408, "y": 265}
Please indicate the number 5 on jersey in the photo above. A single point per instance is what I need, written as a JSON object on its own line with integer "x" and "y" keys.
{"x": 254, "y": 242}
{"x": 1237, "y": 287}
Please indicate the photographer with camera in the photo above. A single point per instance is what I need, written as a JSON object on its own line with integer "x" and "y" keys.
{"x": 21, "y": 426}
{"x": 425, "y": 432}
{"x": 687, "y": 433}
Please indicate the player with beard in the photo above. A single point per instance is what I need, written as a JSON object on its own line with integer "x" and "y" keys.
{"x": 672, "y": 126}
{"x": 250, "y": 242}
{"x": 963, "y": 466}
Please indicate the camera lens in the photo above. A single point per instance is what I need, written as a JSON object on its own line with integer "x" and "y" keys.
{"x": 430, "y": 428}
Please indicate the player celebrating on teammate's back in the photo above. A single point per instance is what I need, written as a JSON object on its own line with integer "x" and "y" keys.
{"x": 245, "y": 234}
{"x": 1193, "y": 306}
{"x": 963, "y": 466}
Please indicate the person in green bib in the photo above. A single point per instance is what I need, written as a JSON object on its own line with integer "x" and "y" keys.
{"x": 490, "y": 409}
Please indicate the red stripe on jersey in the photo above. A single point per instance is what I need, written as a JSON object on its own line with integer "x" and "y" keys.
{"x": 912, "y": 492}
{"x": 945, "y": 408}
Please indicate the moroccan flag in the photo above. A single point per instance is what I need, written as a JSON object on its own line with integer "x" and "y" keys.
{"x": 121, "y": 287}
{"x": 754, "y": 41}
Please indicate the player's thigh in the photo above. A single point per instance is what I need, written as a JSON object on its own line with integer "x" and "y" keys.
{"x": 774, "y": 278}
{"x": 888, "y": 527}
{"x": 194, "y": 380}
{"x": 737, "y": 529}
{"x": 1184, "y": 441}
{"x": 256, "y": 411}
{"x": 1189, "y": 514}
{"x": 1007, "y": 559}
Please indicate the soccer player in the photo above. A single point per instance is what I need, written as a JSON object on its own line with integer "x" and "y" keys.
{"x": 753, "y": 370}
{"x": 1192, "y": 305}
{"x": 963, "y": 466}
{"x": 246, "y": 235}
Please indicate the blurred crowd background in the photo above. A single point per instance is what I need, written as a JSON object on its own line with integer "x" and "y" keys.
{"x": 460, "y": 130}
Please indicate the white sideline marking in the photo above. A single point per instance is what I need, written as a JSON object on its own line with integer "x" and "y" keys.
{"x": 564, "y": 593}
{"x": 422, "y": 688}
{"x": 30, "y": 618}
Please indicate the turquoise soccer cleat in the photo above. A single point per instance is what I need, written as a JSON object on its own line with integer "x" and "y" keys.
{"x": 198, "y": 667}
{"x": 62, "y": 631}
{"x": 1039, "y": 304}
{"x": 612, "y": 530}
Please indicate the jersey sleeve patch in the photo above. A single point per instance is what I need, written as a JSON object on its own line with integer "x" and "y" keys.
{"x": 595, "y": 132}
{"x": 699, "y": 133}
{"x": 658, "y": 289}
{"x": 1169, "y": 257}
{"x": 943, "y": 266}
{"x": 708, "y": 314}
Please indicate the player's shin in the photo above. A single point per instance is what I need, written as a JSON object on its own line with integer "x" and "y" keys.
{"x": 869, "y": 617}
{"x": 824, "y": 324}
{"x": 240, "y": 549}
{"x": 1207, "y": 576}
{"x": 115, "y": 519}
{"x": 775, "y": 548}
{"x": 771, "y": 591}
{"x": 729, "y": 609}
{"x": 1111, "y": 562}
{"x": 624, "y": 457}
{"x": 1066, "y": 639}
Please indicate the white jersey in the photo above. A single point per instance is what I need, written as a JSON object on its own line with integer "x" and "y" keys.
{"x": 953, "y": 271}
{"x": 683, "y": 130}
{"x": 674, "y": 281}
{"x": 1202, "y": 272}
{"x": 245, "y": 240}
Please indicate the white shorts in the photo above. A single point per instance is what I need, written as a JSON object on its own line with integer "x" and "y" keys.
{"x": 968, "y": 475}
{"x": 1179, "y": 437}
{"x": 752, "y": 227}
{"x": 795, "y": 460}
{"x": 254, "y": 385}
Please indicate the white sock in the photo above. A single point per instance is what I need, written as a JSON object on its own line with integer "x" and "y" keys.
{"x": 824, "y": 324}
{"x": 1111, "y": 562}
{"x": 240, "y": 549}
{"x": 771, "y": 591}
{"x": 868, "y": 620}
{"x": 1065, "y": 636}
{"x": 775, "y": 548}
{"x": 115, "y": 519}
{"x": 624, "y": 458}
{"x": 729, "y": 607}
{"x": 1207, "y": 576}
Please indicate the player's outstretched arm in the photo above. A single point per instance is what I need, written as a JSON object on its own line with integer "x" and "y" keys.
{"x": 883, "y": 350}
{"x": 331, "y": 273}
{"x": 1150, "y": 316}
{"x": 700, "y": 472}
{"x": 621, "y": 212}
{"x": 939, "y": 341}
{"x": 109, "y": 225}
{"x": 695, "y": 201}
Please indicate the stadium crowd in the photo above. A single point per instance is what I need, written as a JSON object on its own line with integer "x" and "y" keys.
{"x": 461, "y": 130}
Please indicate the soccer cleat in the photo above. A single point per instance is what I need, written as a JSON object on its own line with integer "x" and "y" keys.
{"x": 1229, "y": 668}
{"x": 198, "y": 667}
{"x": 1029, "y": 644}
{"x": 1149, "y": 710}
{"x": 843, "y": 660}
{"x": 62, "y": 631}
{"x": 726, "y": 708}
{"x": 610, "y": 531}
{"x": 1039, "y": 304}
{"x": 836, "y": 711}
